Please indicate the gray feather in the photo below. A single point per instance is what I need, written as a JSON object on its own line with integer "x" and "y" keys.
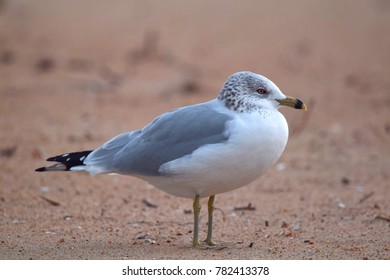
{"x": 169, "y": 137}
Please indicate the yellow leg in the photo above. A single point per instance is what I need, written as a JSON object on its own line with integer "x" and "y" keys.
{"x": 211, "y": 209}
{"x": 196, "y": 207}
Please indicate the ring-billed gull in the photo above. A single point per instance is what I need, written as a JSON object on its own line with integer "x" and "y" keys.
{"x": 200, "y": 150}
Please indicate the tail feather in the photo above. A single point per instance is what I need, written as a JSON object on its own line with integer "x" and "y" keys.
{"x": 66, "y": 162}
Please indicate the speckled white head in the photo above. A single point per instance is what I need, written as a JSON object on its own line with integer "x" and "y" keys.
{"x": 246, "y": 92}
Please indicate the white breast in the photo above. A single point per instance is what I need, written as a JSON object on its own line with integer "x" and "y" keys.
{"x": 256, "y": 141}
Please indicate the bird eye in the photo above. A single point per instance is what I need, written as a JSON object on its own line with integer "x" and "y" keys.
{"x": 261, "y": 91}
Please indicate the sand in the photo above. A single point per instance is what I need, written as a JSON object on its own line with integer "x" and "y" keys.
{"x": 73, "y": 74}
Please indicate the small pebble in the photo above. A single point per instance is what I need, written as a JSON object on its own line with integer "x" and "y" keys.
{"x": 45, "y": 64}
{"x": 297, "y": 227}
{"x": 345, "y": 181}
{"x": 44, "y": 189}
{"x": 151, "y": 241}
{"x": 341, "y": 205}
{"x": 284, "y": 225}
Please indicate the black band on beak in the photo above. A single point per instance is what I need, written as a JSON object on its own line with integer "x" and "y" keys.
{"x": 298, "y": 104}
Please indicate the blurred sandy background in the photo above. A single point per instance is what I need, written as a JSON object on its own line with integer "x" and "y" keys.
{"x": 73, "y": 74}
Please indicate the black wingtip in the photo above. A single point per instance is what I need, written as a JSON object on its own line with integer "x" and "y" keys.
{"x": 59, "y": 158}
{"x": 65, "y": 162}
{"x": 41, "y": 169}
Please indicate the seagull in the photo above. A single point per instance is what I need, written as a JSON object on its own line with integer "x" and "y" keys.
{"x": 200, "y": 150}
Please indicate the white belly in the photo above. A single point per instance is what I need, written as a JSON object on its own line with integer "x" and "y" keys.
{"x": 256, "y": 141}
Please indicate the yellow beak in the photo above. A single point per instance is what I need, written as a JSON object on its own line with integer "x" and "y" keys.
{"x": 293, "y": 103}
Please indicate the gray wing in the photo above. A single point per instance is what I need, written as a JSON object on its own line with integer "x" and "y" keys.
{"x": 170, "y": 136}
